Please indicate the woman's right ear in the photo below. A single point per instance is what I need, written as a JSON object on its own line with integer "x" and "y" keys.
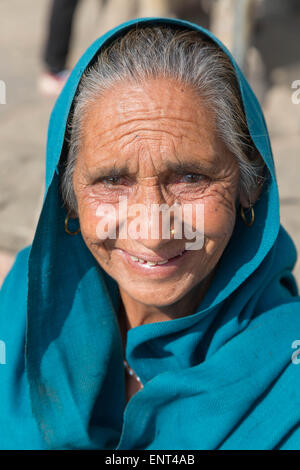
{"x": 250, "y": 198}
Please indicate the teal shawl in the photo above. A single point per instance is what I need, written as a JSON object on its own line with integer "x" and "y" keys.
{"x": 221, "y": 378}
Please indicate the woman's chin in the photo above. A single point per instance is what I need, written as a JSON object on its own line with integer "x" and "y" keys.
{"x": 155, "y": 295}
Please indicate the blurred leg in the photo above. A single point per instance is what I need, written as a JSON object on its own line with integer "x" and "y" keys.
{"x": 59, "y": 34}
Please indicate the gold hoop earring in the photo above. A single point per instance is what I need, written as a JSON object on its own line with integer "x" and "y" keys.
{"x": 245, "y": 220}
{"x": 67, "y": 227}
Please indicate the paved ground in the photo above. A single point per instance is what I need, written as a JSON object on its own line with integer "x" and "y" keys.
{"x": 24, "y": 119}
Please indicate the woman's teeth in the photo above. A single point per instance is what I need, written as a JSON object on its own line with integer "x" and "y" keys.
{"x": 151, "y": 263}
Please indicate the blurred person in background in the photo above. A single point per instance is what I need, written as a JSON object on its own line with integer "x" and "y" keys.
{"x": 60, "y": 21}
{"x": 57, "y": 45}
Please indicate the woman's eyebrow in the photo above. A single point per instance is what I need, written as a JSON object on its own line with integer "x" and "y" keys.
{"x": 109, "y": 171}
{"x": 169, "y": 167}
{"x": 185, "y": 167}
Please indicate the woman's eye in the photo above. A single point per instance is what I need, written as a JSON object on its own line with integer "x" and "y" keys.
{"x": 112, "y": 180}
{"x": 192, "y": 178}
{"x": 189, "y": 178}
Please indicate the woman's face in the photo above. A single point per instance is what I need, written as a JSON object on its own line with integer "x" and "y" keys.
{"x": 151, "y": 144}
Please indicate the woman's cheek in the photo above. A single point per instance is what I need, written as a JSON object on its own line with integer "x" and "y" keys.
{"x": 88, "y": 219}
{"x": 219, "y": 220}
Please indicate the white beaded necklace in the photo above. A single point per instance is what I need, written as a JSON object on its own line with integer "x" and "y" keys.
{"x": 132, "y": 373}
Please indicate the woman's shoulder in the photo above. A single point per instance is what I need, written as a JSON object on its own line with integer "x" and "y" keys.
{"x": 17, "y": 426}
{"x": 18, "y": 271}
{"x": 13, "y": 293}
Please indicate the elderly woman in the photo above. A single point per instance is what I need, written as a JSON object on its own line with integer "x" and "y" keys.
{"x": 119, "y": 339}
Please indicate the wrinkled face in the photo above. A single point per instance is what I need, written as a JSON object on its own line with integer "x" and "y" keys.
{"x": 151, "y": 144}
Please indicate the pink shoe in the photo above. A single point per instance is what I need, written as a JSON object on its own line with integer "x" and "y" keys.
{"x": 50, "y": 84}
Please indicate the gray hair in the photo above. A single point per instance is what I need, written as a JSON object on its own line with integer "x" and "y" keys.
{"x": 184, "y": 55}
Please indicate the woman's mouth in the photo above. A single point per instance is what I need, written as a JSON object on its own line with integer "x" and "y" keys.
{"x": 155, "y": 263}
{"x": 160, "y": 268}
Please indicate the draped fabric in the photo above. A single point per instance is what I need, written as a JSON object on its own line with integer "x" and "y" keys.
{"x": 221, "y": 378}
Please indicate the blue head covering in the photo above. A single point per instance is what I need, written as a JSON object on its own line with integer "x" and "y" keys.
{"x": 221, "y": 378}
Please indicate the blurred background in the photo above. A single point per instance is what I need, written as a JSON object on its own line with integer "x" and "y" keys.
{"x": 40, "y": 41}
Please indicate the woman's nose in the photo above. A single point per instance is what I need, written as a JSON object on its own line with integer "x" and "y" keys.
{"x": 150, "y": 219}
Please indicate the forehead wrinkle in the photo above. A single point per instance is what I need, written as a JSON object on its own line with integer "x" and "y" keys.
{"x": 135, "y": 135}
{"x": 187, "y": 133}
{"x": 149, "y": 161}
{"x": 97, "y": 164}
{"x": 155, "y": 125}
{"x": 138, "y": 149}
{"x": 91, "y": 124}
